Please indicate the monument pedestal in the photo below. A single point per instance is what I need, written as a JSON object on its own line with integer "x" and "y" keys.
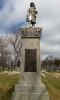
{"x": 30, "y": 86}
{"x": 30, "y": 92}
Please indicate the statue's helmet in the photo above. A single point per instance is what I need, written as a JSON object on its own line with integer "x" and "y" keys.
{"x": 32, "y": 4}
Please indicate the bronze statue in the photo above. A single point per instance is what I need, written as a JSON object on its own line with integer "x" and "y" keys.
{"x": 31, "y": 15}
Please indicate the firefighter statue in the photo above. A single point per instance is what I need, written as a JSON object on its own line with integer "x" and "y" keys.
{"x": 31, "y": 15}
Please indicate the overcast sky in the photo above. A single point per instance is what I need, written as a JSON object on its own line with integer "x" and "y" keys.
{"x": 13, "y": 13}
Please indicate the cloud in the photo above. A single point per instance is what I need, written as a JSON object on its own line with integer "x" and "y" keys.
{"x": 50, "y": 49}
{"x": 13, "y": 13}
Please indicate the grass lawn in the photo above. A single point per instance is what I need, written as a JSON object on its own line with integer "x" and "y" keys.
{"x": 7, "y": 83}
{"x": 52, "y": 87}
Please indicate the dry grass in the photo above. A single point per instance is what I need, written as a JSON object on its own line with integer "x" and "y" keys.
{"x": 57, "y": 73}
{"x": 7, "y": 84}
{"x": 52, "y": 86}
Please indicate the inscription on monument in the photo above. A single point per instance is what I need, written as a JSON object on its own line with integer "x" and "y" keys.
{"x": 30, "y": 60}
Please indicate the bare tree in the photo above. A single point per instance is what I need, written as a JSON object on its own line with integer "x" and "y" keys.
{"x": 3, "y": 46}
{"x": 57, "y": 62}
{"x": 48, "y": 63}
{"x": 15, "y": 40}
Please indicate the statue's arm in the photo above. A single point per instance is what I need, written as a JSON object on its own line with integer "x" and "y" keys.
{"x": 36, "y": 11}
{"x": 28, "y": 12}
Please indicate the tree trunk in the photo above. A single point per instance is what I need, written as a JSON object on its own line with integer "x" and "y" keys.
{"x": 16, "y": 60}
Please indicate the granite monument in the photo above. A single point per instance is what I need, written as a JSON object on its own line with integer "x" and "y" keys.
{"x": 30, "y": 86}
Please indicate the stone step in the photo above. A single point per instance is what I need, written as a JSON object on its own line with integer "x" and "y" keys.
{"x": 37, "y": 88}
{"x": 30, "y": 96}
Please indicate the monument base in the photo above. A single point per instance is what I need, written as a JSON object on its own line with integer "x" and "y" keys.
{"x": 30, "y": 92}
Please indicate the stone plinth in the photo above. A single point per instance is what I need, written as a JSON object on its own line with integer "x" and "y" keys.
{"x": 30, "y": 86}
{"x": 31, "y": 32}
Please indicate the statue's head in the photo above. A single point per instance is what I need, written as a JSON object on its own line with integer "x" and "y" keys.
{"x": 32, "y": 4}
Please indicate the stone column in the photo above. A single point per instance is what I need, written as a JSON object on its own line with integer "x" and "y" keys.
{"x": 30, "y": 70}
{"x": 30, "y": 86}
